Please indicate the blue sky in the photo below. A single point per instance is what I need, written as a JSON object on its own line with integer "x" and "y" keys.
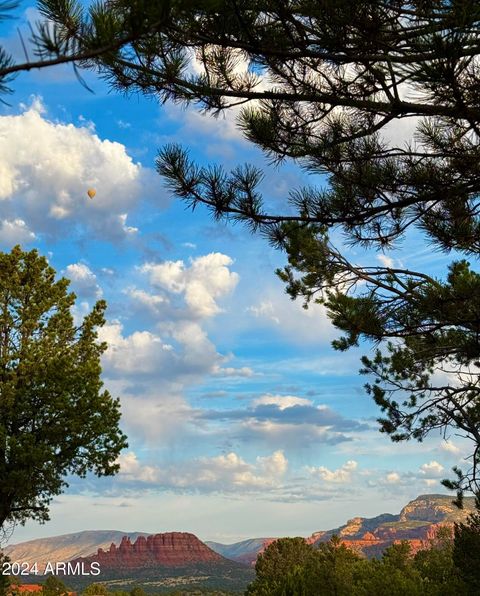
{"x": 242, "y": 420}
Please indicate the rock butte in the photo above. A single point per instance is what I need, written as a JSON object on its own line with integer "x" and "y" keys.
{"x": 172, "y": 549}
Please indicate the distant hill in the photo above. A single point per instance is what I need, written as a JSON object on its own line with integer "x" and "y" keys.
{"x": 67, "y": 546}
{"x": 180, "y": 559}
{"x": 418, "y": 522}
{"x": 159, "y": 562}
{"x": 243, "y": 552}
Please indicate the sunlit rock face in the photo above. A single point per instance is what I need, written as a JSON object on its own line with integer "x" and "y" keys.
{"x": 172, "y": 549}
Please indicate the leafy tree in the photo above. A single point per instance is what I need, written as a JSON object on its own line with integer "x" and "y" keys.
{"x": 291, "y": 567}
{"x": 55, "y": 418}
{"x": 466, "y": 549}
{"x": 436, "y": 565}
{"x": 95, "y": 590}
{"x": 332, "y": 81}
{"x": 333, "y": 569}
{"x": 137, "y": 592}
{"x": 276, "y": 564}
{"x": 54, "y": 587}
{"x": 4, "y": 579}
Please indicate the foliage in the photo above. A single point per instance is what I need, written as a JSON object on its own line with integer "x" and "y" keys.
{"x": 276, "y": 564}
{"x": 466, "y": 549}
{"x": 54, "y": 587}
{"x": 4, "y": 579}
{"x": 55, "y": 419}
{"x": 332, "y": 81}
{"x": 332, "y": 569}
{"x": 95, "y": 589}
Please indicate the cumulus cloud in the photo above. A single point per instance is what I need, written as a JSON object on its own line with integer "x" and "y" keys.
{"x": 46, "y": 169}
{"x": 341, "y": 475}
{"x": 84, "y": 281}
{"x": 426, "y": 475}
{"x": 432, "y": 469}
{"x": 279, "y": 422}
{"x": 132, "y": 469}
{"x": 392, "y": 478}
{"x": 173, "y": 351}
{"x": 186, "y": 351}
{"x": 201, "y": 284}
{"x": 288, "y": 410}
{"x": 14, "y": 231}
{"x": 154, "y": 303}
{"x": 222, "y": 473}
{"x": 449, "y": 447}
{"x": 282, "y": 401}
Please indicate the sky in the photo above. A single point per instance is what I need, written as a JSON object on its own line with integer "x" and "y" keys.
{"x": 241, "y": 418}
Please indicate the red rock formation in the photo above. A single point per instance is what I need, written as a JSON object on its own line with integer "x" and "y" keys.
{"x": 172, "y": 549}
{"x": 373, "y": 544}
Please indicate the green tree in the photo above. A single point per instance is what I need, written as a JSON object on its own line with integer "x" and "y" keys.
{"x": 55, "y": 418}
{"x": 137, "y": 592}
{"x": 466, "y": 550}
{"x": 54, "y": 587}
{"x": 291, "y": 567}
{"x": 341, "y": 73}
{"x": 95, "y": 590}
{"x": 332, "y": 571}
{"x": 393, "y": 575}
{"x": 276, "y": 564}
{"x": 330, "y": 79}
{"x": 436, "y": 565}
{"x": 4, "y": 579}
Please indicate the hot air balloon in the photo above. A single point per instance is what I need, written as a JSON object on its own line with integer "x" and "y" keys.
{"x": 91, "y": 192}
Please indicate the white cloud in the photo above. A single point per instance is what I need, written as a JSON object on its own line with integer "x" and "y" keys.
{"x": 83, "y": 279}
{"x": 207, "y": 279}
{"x": 182, "y": 353}
{"x": 393, "y": 478}
{"x": 14, "y": 231}
{"x": 139, "y": 352}
{"x": 282, "y": 401}
{"x": 47, "y": 167}
{"x": 131, "y": 469}
{"x": 432, "y": 470}
{"x": 264, "y": 310}
{"x": 153, "y": 302}
{"x": 222, "y": 473}
{"x": 431, "y": 482}
{"x": 385, "y": 260}
{"x": 341, "y": 475}
{"x": 450, "y": 447}
{"x": 230, "y": 371}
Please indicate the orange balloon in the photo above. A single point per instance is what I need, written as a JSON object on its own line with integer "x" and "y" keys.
{"x": 91, "y": 192}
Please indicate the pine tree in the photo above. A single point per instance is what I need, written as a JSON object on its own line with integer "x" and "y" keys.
{"x": 325, "y": 83}
{"x": 466, "y": 550}
{"x": 55, "y": 418}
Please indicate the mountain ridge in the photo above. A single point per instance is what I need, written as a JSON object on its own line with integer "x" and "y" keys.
{"x": 418, "y": 521}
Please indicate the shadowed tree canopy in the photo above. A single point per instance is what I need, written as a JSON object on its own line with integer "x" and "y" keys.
{"x": 55, "y": 418}
{"x": 334, "y": 85}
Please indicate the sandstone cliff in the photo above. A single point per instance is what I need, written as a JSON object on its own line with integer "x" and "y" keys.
{"x": 172, "y": 549}
{"x": 418, "y": 522}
